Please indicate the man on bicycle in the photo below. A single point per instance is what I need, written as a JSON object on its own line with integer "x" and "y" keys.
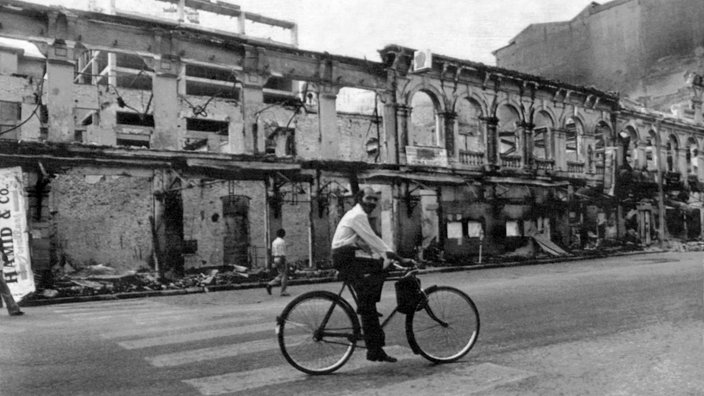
{"x": 354, "y": 239}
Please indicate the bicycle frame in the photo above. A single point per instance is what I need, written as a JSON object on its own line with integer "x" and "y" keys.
{"x": 320, "y": 333}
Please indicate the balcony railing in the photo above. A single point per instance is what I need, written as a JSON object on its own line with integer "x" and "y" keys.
{"x": 544, "y": 164}
{"x": 510, "y": 161}
{"x": 471, "y": 158}
{"x": 575, "y": 167}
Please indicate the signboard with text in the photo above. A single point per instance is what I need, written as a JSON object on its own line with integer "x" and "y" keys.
{"x": 14, "y": 236}
{"x": 430, "y": 156}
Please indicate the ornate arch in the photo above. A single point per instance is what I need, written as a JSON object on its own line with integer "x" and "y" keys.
{"x": 435, "y": 94}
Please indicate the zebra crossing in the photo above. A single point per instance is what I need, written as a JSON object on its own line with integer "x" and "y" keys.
{"x": 177, "y": 337}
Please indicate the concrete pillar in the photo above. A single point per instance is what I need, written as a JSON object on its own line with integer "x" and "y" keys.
{"x": 59, "y": 89}
{"x": 168, "y": 127}
{"x": 251, "y": 138}
{"x": 327, "y": 116}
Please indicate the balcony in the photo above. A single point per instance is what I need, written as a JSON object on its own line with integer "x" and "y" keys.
{"x": 575, "y": 167}
{"x": 471, "y": 158}
{"x": 510, "y": 161}
{"x": 544, "y": 164}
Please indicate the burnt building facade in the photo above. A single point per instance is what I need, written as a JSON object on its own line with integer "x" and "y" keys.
{"x": 152, "y": 143}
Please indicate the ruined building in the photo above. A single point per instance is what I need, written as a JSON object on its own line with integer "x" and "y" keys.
{"x": 652, "y": 52}
{"x": 153, "y": 143}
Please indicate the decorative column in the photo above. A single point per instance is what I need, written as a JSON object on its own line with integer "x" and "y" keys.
{"x": 327, "y": 115}
{"x": 492, "y": 145}
{"x": 527, "y": 145}
{"x": 697, "y": 107}
{"x": 402, "y": 113}
{"x": 559, "y": 150}
{"x": 168, "y": 127}
{"x": 59, "y": 89}
{"x": 449, "y": 118}
{"x": 641, "y": 156}
{"x": 682, "y": 164}
{"x": 389, "y": 145}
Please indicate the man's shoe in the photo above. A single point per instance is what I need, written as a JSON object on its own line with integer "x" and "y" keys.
{"x": 268, "y": 289}
{"x": 284, "y": 294}
{"x": 380, "y": 356}
{"x": 18, "y": 313}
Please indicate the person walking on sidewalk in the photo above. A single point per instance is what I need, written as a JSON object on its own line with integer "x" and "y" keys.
{"x": 278, "y": 252}
{"x": 12, "y": 308}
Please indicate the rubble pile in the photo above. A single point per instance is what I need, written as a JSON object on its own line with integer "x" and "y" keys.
{"x": 102, "y": 280}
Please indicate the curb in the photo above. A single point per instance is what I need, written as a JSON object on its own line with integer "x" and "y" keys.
{"x": 293, "y": 282}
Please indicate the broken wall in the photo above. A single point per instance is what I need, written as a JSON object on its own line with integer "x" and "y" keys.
{"x": 204, "y": 222}
{"x": 102, "y": 219}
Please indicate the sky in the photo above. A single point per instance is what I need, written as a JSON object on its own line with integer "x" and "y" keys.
{"x": 466, "y": 29}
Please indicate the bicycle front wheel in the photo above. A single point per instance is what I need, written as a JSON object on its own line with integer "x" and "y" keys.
{"x": 445, "y": 326}
{"x": 317, "y": 332}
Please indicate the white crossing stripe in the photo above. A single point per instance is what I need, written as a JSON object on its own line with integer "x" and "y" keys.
{"x": 196, "y": 336}
{"x": 161, "y": 327}
{"x": 99, "y": 306}
{"x": 212, "y": 353}
{"x": 245, "y": 380}
{"x": 465, "y": 379}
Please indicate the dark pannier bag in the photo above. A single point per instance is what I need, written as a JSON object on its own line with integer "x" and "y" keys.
{"x": 408, "y": 294}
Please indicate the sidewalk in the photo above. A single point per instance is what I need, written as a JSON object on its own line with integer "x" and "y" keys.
{"x": 39, "y": 301}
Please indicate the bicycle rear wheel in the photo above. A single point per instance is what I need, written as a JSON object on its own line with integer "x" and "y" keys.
{"x": 317, "y": 332}
{"x": 445, "y": 326}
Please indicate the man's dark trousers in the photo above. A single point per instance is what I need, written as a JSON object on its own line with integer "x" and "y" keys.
{"x": 366, "y": 276}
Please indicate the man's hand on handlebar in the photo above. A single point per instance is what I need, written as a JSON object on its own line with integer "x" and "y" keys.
{"x": 402, "y": 264}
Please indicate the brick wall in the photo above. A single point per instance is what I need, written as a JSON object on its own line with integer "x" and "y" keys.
{"x": 103, "y": 219}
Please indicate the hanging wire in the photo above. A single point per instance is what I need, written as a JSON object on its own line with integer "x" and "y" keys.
{"x": 39, "y": 104}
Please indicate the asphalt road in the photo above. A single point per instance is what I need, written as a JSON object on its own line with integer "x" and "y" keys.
{"x": 624, "y": 326}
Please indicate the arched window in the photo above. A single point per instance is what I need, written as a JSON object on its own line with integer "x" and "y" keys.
{"x": 692, "y": 153}
{"x": 672, "y": 154}
{"x": 508, "y": 131}
{"x": 574, "y": 134}
{"x": 628, "y": 139}
{"x": 541, "y": 135}
{"x": 470, "y": 126}
{"x": 423, "y": 128}
{"x": 601, "y": 133}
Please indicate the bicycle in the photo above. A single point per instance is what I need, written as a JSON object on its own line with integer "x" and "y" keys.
{"x": 318, "y": 331}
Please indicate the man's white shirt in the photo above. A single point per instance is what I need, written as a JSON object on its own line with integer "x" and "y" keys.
{"x": 354, "y": 230}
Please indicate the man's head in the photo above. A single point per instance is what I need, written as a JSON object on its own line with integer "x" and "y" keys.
{"x": 280, "y": 233}
{"x": 368, "y": 198}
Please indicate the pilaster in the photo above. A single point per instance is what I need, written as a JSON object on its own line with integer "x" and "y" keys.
{"x": 402, "y": 113}
{"x": 327, "y": 115}
{"x": 59, "y": 89}
{"x": 168, "y": 127}
{"x": 251, "y": 139}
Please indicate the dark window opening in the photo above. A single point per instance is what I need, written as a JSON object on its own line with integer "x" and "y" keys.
{"x": 146, "y": 120}
{"x": 199, "y": 124}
